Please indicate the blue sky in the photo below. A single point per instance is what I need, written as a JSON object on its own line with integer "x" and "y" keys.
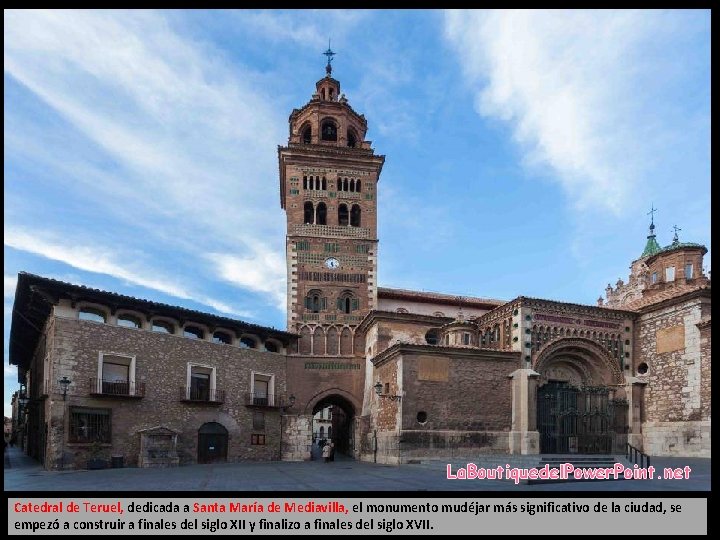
{"x": 523, "y": 148}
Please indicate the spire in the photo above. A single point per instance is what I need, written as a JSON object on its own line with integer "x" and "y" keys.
{"x": 329, "y": 53}
{"x": 651, "y": 247}
{"x": 676, "y": 240}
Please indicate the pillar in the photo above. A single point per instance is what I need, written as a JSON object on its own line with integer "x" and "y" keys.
{"x": 524, "y": 437}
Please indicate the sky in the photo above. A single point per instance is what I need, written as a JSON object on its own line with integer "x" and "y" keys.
{"x": 523, "y": 148}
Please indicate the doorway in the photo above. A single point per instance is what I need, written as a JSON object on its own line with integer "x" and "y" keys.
{"x": 212, "y": 443}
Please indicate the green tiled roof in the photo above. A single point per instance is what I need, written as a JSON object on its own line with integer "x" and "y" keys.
{"x": 652, "y": 247}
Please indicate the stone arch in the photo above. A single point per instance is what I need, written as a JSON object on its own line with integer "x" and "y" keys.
{"x": 346, "y": 346}
{"x": 333, "y": 341}
{"x": 305, "y": 342}
{"x": 328, "y": 395}
{"x": 583, "y": 355}
{"x": 319, "y": 341}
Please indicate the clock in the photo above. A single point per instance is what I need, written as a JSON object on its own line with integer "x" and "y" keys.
{"x": 332, "y": 263}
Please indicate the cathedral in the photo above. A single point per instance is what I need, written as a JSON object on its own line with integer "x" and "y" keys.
{"x": 406, "y": 374}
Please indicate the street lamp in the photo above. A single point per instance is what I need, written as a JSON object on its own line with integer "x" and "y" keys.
{"x": 64, "y": 383}
{"x": 378, "y": 390}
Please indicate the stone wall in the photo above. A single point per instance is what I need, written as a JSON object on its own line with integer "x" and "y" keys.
{"x": 162, "y": 366}
{"x": 297, "y": 437}
{"x": 669, "y": 345}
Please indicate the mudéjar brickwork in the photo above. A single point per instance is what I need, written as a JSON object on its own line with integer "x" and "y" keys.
{"x": 407, "y": 374}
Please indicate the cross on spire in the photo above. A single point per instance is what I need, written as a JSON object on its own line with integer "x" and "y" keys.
{"x": 675, "y": 238}
{"x": 651, "y": 213}
{"x": 329, "y": 53}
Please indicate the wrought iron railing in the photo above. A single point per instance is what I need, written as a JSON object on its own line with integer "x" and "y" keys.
{"x": 201, "y": 394}
{"x": 259, "y": 399}
{"x": 117, "y": 388}
{"x": 635, "y": 456}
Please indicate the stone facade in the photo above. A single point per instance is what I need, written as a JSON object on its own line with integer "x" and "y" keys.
{"x": 102, "y": 416}
{"x": 674, "y": 361}
{"x": 437, "y": 401}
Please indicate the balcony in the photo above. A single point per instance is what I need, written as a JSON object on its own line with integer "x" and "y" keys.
{"x": 117, "y": 389}
{"x": 267, "y": 401}
{"x": 207, "y": 396}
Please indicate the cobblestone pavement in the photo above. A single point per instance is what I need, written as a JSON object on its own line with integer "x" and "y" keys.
{"x": 24, "y": 473}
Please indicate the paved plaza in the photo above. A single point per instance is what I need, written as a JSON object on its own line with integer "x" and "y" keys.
{"x": 23, "y": 473}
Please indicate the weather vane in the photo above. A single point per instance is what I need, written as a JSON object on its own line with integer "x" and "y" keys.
{"x": 329, "y": 53}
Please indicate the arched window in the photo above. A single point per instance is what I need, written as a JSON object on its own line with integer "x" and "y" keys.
{"x": 322, "y": 432}
{"x": 321, "y": 214}
{"x": 351, "y": 138}
{"x": 247, "y": 342}
{"x": 163, "y": 327}
{"x": 345, "y": 184}
{"x": 129, "y": 321}
{"x": 309, "y": 213}
{"x": 305, "y": 182}
{"x": 314, "y": 301}
{"x": 343, "y": 215}
{"x": 347, "y": 303}
{"x": 307, "y": 135}
{"x": 317, "y": 182}
{"x": 91, "y": 314}
{"x": 432, "y": 337}
{"x": 329, "y": 131}
{"x": 352, "y": 184}
{"x": 324, "y": 183}
{"x": 193, "y": 332}
{"x": 358, "y": 186}
{"x": 355, "y": 215}
{"x": 271, "y": 346}
{"x": 222, "y": 337}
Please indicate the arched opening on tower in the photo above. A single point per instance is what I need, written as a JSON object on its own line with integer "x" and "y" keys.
{"x": 351, "y": 138}
{"x": 309, "y": 213}
{"x": 328, "y": 131}
{"x": 355, "y": 215}
{"x": 333, "y": 422}
{"x": 343, "y": 215}
{"x": 307, "y": 135}
{"x": 321, "y": 214}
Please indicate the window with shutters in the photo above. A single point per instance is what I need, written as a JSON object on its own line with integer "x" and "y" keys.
{"x": 332, "y": 248}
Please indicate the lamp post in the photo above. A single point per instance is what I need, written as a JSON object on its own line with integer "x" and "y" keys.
{"x": 378, "y": 390}
{"x": 64, "y": 383}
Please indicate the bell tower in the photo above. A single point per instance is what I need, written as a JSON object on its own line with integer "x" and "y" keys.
{"x": 328, "y": 188}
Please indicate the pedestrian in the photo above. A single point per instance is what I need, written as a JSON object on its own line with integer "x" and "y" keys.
{"x": 326, "y": 451}
{"x": 332, "y": 450}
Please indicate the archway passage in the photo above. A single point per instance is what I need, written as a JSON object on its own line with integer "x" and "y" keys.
{"x": 333, "y": 417}
{"x": 580, "y": 402}
{"x": 212, "y": 443}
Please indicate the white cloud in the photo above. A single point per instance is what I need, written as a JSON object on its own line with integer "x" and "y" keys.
{"x": 265, "y": 272}
{"x": 10, "y": 371}
{"x": 190, "y": 136}
{"x": 573, "y": 85}
{"x": 101, "y": 260}
{"x": 9, "y": 284}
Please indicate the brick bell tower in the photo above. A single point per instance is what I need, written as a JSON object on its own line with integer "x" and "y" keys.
{"x": 328, "y": 189}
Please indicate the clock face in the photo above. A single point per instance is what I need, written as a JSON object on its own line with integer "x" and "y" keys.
{"x": 332, "y": 263}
